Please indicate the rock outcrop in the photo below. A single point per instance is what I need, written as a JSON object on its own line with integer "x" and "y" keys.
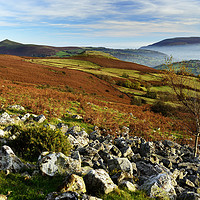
{"x": 163, "y": 169}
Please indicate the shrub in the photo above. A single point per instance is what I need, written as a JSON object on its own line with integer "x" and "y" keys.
{"x": 152, "y": 95}
{"x": 136, "y": 101}
{"x": 125, "y": 75}
{"x": 30, "y": 142}
{"x": 162, "y": 107}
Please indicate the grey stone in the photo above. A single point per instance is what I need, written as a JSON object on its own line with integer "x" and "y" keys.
{"x": 188, "y": 195}
{"x": 6, "y": 119}
{"x": 127, "y": 152}
{"x": 25, "y": 117}
{"x": 147, "y": 149}
{"x": 63, "y": 196}
{"x": 2, "y": 133}
{"x": 128, "y": 185}
{"x": 40, "y": 118}
{"x": 57, "y": 163}
{"x": 159, "y": 186}
{"x": 9, "y": 161}
{"x": 73, "y": 183}
{"x": 120, "y": 165}
{"x": 63, "y": 127}
{"x": 73, "y": 141}
{"x": 98, "y": 181}
{"x": 115, "y": 151}
{"x": 16, "y": 107}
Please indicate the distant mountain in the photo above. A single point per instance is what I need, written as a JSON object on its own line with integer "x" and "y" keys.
{"x": 176, "y": 42}
{"x": 181, "y": 48}
{"x": 139, "y": 56}
{"x": 19, "y": 49}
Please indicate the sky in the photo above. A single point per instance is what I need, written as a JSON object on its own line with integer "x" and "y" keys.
{"x": 98, "y": 23}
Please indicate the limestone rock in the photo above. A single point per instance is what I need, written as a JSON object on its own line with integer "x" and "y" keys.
{"x": 63, "y": 196}
{"x": 57, "y": 163}
{"x": 147, "y": 149}
{"x": 189, "y": 195}
{"x": 159, "y": 186}
{"x": 120, "y": 164}
{"x": 63, "y": 127}
{"x": 5, "y": 119}
{"x": 73, "y": 183}
{"x": 9, "y": 161}
{"x": 2, "y": 133}
{"x": 25, "y": 117}
{"x": 16, "y": 107}
{"x": 40, "y": 118}
{"x": 98, "y": 181}
{"x": 128, "y": 185}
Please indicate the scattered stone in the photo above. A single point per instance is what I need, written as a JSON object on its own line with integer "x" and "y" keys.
{"x": 159, "y": 186}
{"x": 9, "y": 161}
{"x": 98, "y": 181}
{"x": 16, "y": 107}
{"x": 57, "y": 163}
{"x": 40, "y": 118}
{"x": 128, "y": 185}
{"x": 73, "y": 183}
{"x": 120, "y": 165}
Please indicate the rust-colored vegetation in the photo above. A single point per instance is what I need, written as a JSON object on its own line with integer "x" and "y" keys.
{"x": 53, "y": 91}
{"x": 113, "y": 63}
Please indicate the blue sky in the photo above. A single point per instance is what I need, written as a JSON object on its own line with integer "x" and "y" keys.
{"x": 109, "y": 23}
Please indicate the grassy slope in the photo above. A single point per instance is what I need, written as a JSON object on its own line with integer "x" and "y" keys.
{"x": 38, "y": 89}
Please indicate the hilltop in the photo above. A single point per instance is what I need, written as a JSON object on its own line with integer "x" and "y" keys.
{"x": 181, "y": 48}
{"x": 140, "y": 56}
{"x": 14, "y": 48}
{"x": 176, "y": 42}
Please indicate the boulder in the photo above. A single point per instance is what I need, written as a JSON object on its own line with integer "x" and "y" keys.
{"x": 16, "y": 107}
{"x": 25, "y": 117}
{"x": 6, "y": 119}
{"x": 40, "y": 118}
{"x": 120, "y": 165}
{"x": 2, "y": 133}
{"x": 98, "y": 181}
{"x": 160, "y": 186}
{"x": 63, "y": 196}
{"x": 9, "y": 161}
{"x": 147, "y": 149}
{"x": 128, "y": 185}
{"x": 63, "y": 127}
{"x": 82, "y": 137}
{"x": 189, "y": 195}
{"x": 115, "y": 151}
{"x": 57, "y": 163}
{"x": 73, "y": 183}
{"x": 146, "y": 169}
{"x": 127, "y": 152}
{"x": 73, "y": 141}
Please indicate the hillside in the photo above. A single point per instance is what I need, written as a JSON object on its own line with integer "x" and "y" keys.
{"x": 16, "y": 69}
{"x": 183, "y": 48}
{"x": 176, "y": 42}
{"x": 91, "y": 112}
{"x": 140, "y": 56}
{"x": 18, "y": 49}
{"x": 193, "y": 66}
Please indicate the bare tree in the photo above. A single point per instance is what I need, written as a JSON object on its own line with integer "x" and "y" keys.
{"x": 187, "y": 91}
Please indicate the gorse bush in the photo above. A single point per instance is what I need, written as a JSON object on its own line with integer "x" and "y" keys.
{"x": 162, "y": 107}
{"x": 30, "y": 142}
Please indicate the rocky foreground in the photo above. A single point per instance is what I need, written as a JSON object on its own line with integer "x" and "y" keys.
{"x": 100, "y": 164}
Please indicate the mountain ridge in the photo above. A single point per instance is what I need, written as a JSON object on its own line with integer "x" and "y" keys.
{"x": 177, "y": 41}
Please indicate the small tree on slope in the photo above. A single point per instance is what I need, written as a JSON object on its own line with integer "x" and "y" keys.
{"x": 187, "y": 91}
